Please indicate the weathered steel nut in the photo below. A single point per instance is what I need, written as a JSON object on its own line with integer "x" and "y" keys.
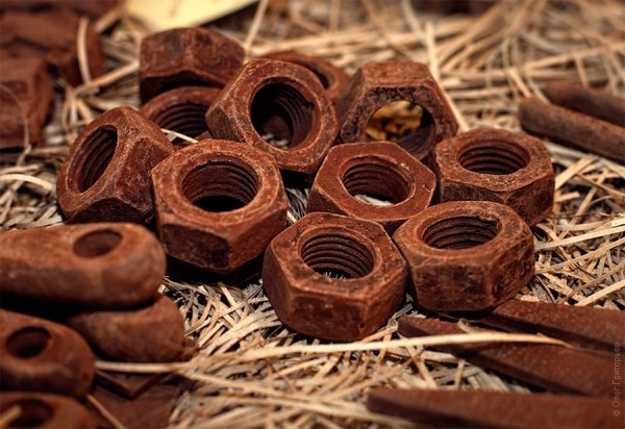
{"x": 187, "y": 57}
{"x": 466, "y": 255}
{"x": 107, "y": 174}
{"x": 91, "y": 265}
{"x": 36, "y": 354}
{"x": 334, "y": 277}
{"x": 376, "y": 85}
{"x": 218, "y": 204}
{"x": 45, "y": 411}
{"x": 280, "y": 99}
{"x": 488, "y": 164}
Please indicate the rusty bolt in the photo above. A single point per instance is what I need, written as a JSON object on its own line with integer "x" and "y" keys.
{"x": 280, "y": 99}
{"x": 107, "y": 174}
{"x": 381, "y": 170}
{"x": 376, "y": 85}
{"x": 93, "y": 265}
{"x": 332, "y": 78}
{"x": 488, "y": 164}
{"x": 187, "y": 57}
{"x": 218, "y": 204}
{"x": 466, "y": 255}
{"x": 44, "y": 411}
{"x": 154, "y": 333}
{"x": 36, "y": 354}
{"x": 334, "y": 277}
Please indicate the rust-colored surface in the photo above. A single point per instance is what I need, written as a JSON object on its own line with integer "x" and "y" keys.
{"x": 380, "y": 169}
{"x": 107, "y": 174}
{"x": 573, "y": 128}
{"x": 93, "y": 8}
{"x": 187, "y": 57}
{"x": 25, "y": 95}
{"x": 466, "y": 255}
{"x": 154, "y": 333}
{"x": 45, "y": 411}
{"x": 218, "y": 203}
{"x": 488, "y": 164}
{"x": 363, "y": 284}
{"x": 128, "y": 385}
{"x": 332, "y": 78}
{"x": 554, "y": 368}
{"x": 377, "y": 84}
{"x": 280, "y": 99}
{"x": 490, "y": 409}
{"x": 93, "y": 265}
{"x": 36, "y": 354}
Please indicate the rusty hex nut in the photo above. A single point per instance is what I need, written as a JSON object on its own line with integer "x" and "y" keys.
{"x": 218, "y": 204}
{"x": 382, "y": 170}
{"x": 334, "y": 277}
{"x": 186, "y": 57}
{"x": 466, "y": 256}
{"x": 488, "y": 164}
{"x": 45, "y": 411}
{"x": 107, "y": 174}
{"x": 376, "y": 85}
{"x": 284, "y": 100}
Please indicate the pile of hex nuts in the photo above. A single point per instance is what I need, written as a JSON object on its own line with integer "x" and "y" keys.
{"x": 455, "y": 230}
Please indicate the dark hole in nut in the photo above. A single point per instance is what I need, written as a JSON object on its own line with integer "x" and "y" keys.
{"x": 280, "y": 112}
{"x": 28, "y": 342}
{"x": 494, "y": 157}
{"x": 373, "y": 178}
{"x": 96, "y": 243}
{"x": 93, "y": 157}
{"x": 460, "y": 232}
{"x": 184, "y": 118}
{"x": 221, "y": 185}
{"x": 33, "y": 413}
{"x": 337, "y": 256}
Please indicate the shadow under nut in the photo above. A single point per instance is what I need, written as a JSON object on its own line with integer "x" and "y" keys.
{"x": 44, "y": 410}
{"x": 90, "y": 265}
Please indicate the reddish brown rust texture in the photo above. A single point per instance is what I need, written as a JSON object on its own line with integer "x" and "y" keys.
{"x": 334, "y": 277}
{"x": 332, "y": 78}
{"x": 36, "y": 354}
{"x": 471, "y": 409}
{"x": 488, "y": 164}
{"x": 281, "y": 99}
{"x": 379, "y": 169}
{"x": 187, "y": 57}
{"x": 377, "y": 84}
{"x": 466, "y": 255}
{"x": 26, "y": 96}
{"x": 45, "y": 411}
{"x": 92, "y": 265}
{"x": 218, "y": 203}
{"x": 107, "y": 174}
{"x": 573, "y": 129}
{"x": 154, "y": 333}
{"x": 554, "y": 368}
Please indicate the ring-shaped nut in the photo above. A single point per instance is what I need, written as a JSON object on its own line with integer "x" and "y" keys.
{"x": 466, "y": 255}
{"x": 45, "y": 411}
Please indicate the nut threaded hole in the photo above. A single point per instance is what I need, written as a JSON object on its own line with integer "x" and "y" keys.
{"x": 373, "y": 178}
{"x": 460, "y": 232}
{"x": 97, "y": 243}
{"x": 185, "y": 118}
{"x": 28, "y": 342}
{"x": 93, "y": 157}
{"x": 33, "y": 413}
{"x": 221, "y": 185}
{"x": 495, "y": 157}
{"x": 337, "y": 256}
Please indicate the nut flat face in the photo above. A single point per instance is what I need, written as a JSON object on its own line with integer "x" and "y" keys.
{"x": 281, "y": 99}
{"x": 107, "y": 174}
{"x": 380, "y": 169}
{"x": 334, "y": 277}
{"x": 46, "y": 411}
{"x": 488, "y": 164}
{"x": 375, "y": 85}
{"x": 186, "y": 57}
{"x": 466, "y": 256}
{"x": 218, "y": 204}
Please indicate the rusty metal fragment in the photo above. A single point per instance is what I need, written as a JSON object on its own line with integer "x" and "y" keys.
{"x": 45, "y": 411}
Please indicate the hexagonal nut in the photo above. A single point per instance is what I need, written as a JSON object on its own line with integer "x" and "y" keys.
{"x": 284, "y": 100}
{"x": 376, "y": 85}
{"x": 219, "y": 203}
{"x": 187, "y": 57}
{"x": 382, "y": 170}
{"x": 107, "y": 174}
{"x": 466, "y": 256}
{"x": 488, "y": 164}
{"x": 334, "y": 277}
